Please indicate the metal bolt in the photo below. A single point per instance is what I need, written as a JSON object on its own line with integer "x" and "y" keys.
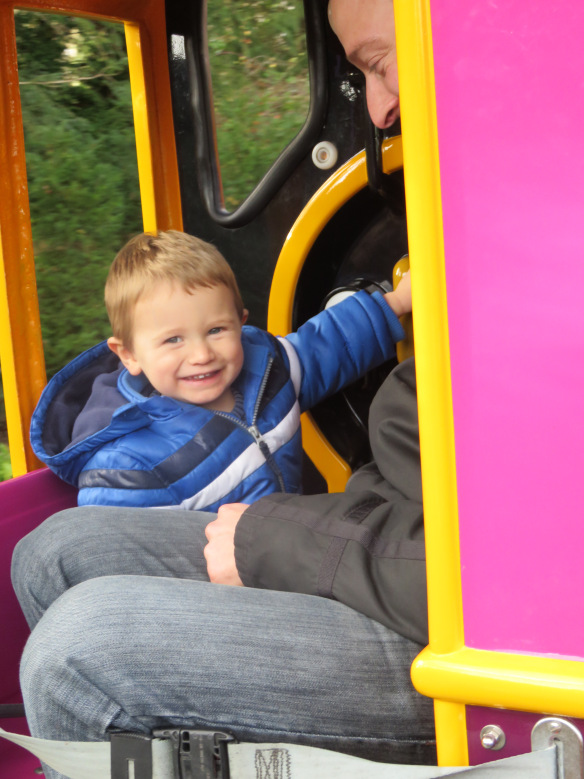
{"x": 492, "y": 737}
{"x": 554, "y": 727}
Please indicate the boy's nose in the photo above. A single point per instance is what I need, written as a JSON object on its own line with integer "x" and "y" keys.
{"x": 200, "y": 353}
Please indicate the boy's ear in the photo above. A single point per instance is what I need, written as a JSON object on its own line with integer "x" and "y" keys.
{"x": 125, "y": 355}
{"x": 244, "y": 316}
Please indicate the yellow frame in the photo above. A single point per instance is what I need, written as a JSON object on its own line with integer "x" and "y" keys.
{"x": 21, "y": 350}
{"x": 349, "y": 179}
{"x": 430, "y": 318}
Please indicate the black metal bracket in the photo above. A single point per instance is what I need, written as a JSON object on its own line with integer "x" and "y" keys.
{"x": 10, "y": 710}
{"x": 131, "y": 756}
{"x": 378, "y": 180}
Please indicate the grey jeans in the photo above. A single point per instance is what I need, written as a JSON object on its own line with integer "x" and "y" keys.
{"x": 127, "y": 632}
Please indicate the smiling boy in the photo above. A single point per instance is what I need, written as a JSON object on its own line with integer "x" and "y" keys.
{"x": 185, "y": 405}
{"x": 188, "y": 343}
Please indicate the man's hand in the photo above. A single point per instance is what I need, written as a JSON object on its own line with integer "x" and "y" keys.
{"x": 220, "y": 551}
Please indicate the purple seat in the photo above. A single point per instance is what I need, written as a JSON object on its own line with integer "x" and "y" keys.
{"x": 25, "y": 502}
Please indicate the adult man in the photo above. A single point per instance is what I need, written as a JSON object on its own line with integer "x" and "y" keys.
{"x": 128, "y": 633}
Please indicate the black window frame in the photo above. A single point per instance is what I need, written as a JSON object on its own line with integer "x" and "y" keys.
{"x": 198, "y": 76}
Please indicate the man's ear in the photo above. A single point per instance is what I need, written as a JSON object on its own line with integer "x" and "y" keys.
{"x": 244, "y": 316}
{"x": 125, "y": 355}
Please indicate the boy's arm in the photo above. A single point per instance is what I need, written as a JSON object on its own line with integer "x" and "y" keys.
{"x": 339, "y": 345}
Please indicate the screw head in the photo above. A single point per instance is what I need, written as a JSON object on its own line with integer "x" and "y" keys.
{"x": 492, "y": 737}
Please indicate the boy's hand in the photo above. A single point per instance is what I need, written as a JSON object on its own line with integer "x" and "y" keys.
{"x": 400, "y": 299}
{"x": 220, "y": 551}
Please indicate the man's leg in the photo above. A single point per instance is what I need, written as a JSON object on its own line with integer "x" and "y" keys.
{"x": 140, "y": 652}
{"x": 85, "y": 543}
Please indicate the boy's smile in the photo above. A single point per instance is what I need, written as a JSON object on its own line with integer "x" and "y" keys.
{"x": 188, "y": 344}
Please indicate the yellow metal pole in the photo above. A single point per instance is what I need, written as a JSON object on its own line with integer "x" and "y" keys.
{"x": 141, "y": 127}
{"x": 21, "y": 350}
{"x": 430, "y": 318}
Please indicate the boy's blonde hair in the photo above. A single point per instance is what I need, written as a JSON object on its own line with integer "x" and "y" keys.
{"x": 166, "y": 256}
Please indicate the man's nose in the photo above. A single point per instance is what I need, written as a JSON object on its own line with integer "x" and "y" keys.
{"x": 382, "y": 103}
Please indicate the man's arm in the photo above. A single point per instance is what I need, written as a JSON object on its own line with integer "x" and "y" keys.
{"x": 351, "y": 547}
{"x": 363, "y": 547}
{"x": 354, "y": 548}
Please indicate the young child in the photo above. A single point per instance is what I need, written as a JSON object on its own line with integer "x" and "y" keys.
{"x": 185, "y": 405}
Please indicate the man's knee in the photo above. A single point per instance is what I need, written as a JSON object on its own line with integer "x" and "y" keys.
{"x": 67, "y": 636}
{"x": 40, "y": 543}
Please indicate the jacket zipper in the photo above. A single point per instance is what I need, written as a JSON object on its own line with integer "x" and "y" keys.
{"x": 253, "y": 429}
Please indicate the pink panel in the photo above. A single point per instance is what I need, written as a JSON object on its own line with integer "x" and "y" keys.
{"x": 510, "y": 97}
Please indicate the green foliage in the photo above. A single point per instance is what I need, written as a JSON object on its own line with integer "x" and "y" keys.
{"x": 5, "y": 467}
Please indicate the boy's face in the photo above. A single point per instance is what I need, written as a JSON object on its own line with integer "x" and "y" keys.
{"x": 187, "y": 344}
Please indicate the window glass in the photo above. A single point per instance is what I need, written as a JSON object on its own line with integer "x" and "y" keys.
{"x": 81, "y": 168}
{"x": 259, "y": 72}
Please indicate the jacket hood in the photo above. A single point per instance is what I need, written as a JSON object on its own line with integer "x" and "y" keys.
{"x": 84, "y": 405}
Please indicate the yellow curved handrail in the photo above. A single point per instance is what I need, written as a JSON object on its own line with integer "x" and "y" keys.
{"x": 332, "y": 195}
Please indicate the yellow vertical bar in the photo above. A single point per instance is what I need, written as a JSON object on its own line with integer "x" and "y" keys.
{"x": 430, "y": 317}
{"x": 21, "y": 350}
{"x": 451, "y": 737}
{"x": 9, "y": 381}
{"x": 141, "y": 126}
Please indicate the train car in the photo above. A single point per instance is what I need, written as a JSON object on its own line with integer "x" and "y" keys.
{"x": 482, "y": 186}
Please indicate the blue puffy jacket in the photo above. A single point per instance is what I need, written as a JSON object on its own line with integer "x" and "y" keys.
{"x": 102, "y": 430}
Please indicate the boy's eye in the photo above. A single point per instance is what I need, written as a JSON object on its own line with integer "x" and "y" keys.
{"x": 174, "y": 339}
{"x": 215, "y": 330}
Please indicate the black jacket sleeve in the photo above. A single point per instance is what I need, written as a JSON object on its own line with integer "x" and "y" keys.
{"x": 363, "y": 547}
